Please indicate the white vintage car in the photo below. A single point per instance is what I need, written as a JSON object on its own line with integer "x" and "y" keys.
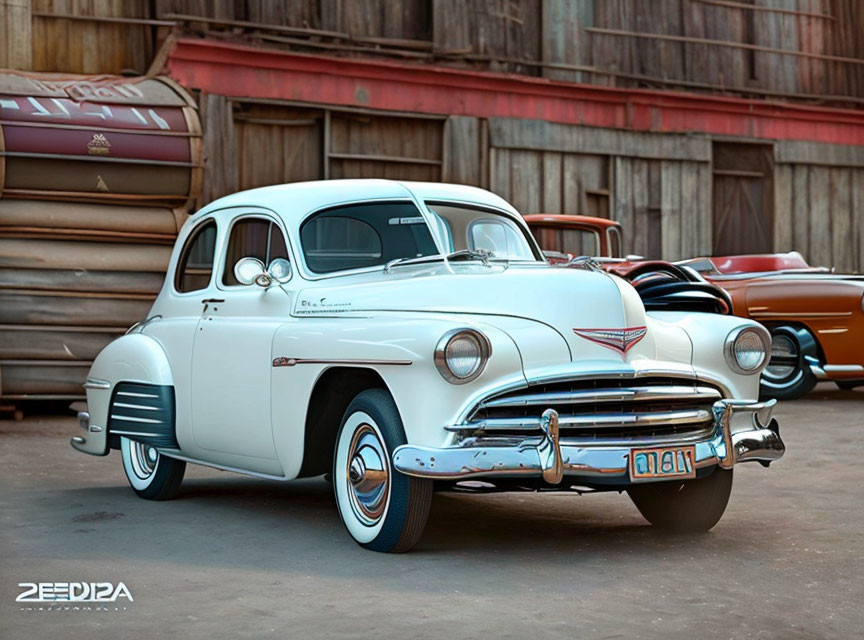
{"x": 404, "y": 337}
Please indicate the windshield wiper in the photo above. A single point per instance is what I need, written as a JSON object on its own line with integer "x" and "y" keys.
{"x": 472, "y": 254}
{"x": 416, "y": 260}
{"x": 464, "y": 254}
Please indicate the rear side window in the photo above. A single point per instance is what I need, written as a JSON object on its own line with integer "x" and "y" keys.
{"x": 253, "y": 238}
{"x": 196, "y": 261}
{"x": 364, "y": 235}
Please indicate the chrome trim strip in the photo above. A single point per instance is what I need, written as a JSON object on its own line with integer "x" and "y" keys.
{"x": 133, "y": 394}
{"x": 254, "y": 474}
{"x": 283, "y": 361}
{"x": 603, "y": 420}
{"x": 142, "y": 407}
{"x": 842, "y": 368}
{"x": 628, "y": 394}
{"x": 131, "y": 419}
{"x": 96, "y": 383}
{"x": 135, "y": 433}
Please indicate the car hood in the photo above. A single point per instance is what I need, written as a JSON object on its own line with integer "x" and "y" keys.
{"x": 563, "y": 299}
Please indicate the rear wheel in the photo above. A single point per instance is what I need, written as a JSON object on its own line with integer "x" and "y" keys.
{"x": 788, "y": 375}
{"x": 152, "y": 475}
{"x": 689, "y": 506}
{"x": 383, "y": 509}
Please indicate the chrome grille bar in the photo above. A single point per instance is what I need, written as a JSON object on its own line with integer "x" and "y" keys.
{"x": 597, "y": 420}
{"x": 623, "y": 394}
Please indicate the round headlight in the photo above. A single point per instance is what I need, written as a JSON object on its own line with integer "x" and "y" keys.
{"x": 747, "y": 349}
{"x": 461, "y": 355}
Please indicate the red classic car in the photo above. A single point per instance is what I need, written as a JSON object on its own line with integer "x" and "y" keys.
{"x": 816, "y": 316}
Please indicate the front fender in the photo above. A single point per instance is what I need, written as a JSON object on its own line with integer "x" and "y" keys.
{"x": 303, "y": 350}
{"x": 134, "y": 357}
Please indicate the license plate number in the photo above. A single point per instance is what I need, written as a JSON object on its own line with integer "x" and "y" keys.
{"x": 662, "y": 463}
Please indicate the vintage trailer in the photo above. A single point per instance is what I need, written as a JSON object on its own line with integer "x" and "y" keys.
{"x": 409, "y": 336}
{"x": 815, "y": 316}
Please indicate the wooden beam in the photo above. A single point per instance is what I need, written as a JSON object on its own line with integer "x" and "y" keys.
{"x": 731, "y": 4}
{"x": 721, "y": 43}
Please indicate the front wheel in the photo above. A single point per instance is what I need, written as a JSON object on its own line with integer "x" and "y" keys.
{"x": 152, "y": 475}
{"x": 689, "y": 506}
{"x": 383, "y": 509}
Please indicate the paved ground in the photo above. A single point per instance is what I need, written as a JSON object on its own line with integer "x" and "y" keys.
{"x": 233, "y": 557}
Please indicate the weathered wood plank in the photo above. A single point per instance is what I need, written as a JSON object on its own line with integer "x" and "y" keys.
{"x": 553, "y": 182}
{"x": 816, "y": 153}
{"x": 526, "y": 181}
{"x": 549, "y": 136}
{"x": 670, "y": 210}
{"x": 622, "y": 200}
{"x": 690, "y": 203}
{"x": 820, "y": 222}
{"x": 783, "y": 199}
{"x": 462, "y": 151}
{"x": 801, "y": 209}
{"x": 841, "y": 228}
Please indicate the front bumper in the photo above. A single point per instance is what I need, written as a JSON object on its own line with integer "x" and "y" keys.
{"x": 743, "y": 431}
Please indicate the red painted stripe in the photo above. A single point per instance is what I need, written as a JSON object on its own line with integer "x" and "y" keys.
{"x": 242, "y": 71}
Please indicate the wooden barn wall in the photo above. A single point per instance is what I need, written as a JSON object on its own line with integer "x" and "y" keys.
{"x": 715, "y": 45}
{"x": 657, "y": 185}
{"x": 819, "y": 197}
{"x": 250, "y": 144}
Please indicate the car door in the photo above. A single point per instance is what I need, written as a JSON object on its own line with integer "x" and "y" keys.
{"x": 231, "y": 355}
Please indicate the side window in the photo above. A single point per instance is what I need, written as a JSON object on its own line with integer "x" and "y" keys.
{"x": 253, "y": 238}
{"x": 196, "y": 261}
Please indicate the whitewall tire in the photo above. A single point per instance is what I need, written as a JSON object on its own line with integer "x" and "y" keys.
{"x": 382, "y": 509}
{"x": 152, "y": 475}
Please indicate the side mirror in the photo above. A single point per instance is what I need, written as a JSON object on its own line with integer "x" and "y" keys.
{"x": 249, "y": 270}
{"x": 280, "y": 270}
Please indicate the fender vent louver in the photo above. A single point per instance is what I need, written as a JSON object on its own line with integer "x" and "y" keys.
{"x": 143, "y": 412}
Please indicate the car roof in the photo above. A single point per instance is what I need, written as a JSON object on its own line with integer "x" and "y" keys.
{"x": 295, "y": 200}
{"x": 565, "y": 220}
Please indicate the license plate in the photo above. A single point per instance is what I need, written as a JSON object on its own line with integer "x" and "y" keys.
{"x": 662, "y": 463}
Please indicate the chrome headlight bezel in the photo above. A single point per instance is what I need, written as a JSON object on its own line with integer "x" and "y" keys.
{"x": 441, "y": 355}
{"x": 732, "y": 339}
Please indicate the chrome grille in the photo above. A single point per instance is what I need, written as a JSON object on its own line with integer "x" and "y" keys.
{"x": 600, "y": 410}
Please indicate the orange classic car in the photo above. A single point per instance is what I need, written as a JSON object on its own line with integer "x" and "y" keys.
{"x": 815, "y": 316}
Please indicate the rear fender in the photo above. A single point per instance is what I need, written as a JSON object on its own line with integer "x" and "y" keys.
{"x": 133, "y": 358}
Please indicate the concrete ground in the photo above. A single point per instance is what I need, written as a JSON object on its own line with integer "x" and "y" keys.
{"x": 236, "y": 557}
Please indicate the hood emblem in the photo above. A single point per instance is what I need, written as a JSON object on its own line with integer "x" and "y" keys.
{"x": 618, "y": 339}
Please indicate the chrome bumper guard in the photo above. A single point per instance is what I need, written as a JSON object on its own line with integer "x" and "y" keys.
{"x": 743, "y": 431}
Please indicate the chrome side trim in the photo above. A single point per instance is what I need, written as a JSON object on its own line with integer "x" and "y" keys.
{"x": 96, "y": 383}
{"x": 254, "y": 474}
{"x": 843, "y": 368}
{"x": 283, "y": 361}
{"x": 134, "y": 433}
{"x": 142, "y": 407}
{"x": 133, "y": 419}
{"x": 633, "y": 394}
{"x": 133, "y": 394}
{"x": 604, "y": 420}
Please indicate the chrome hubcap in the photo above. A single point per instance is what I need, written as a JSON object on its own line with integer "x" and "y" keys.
{"x": 784, "y": 358}
{"x": 368, "y": 475}
{"x": 144, "y": 459}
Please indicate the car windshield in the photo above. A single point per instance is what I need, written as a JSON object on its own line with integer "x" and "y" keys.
{"x": 576, "y": 242}
{"x": 364, "y": 235}
{"x": 480, "y": 232}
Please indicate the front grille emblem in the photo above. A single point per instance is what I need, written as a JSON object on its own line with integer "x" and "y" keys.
{"x": 619, "y": 339}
